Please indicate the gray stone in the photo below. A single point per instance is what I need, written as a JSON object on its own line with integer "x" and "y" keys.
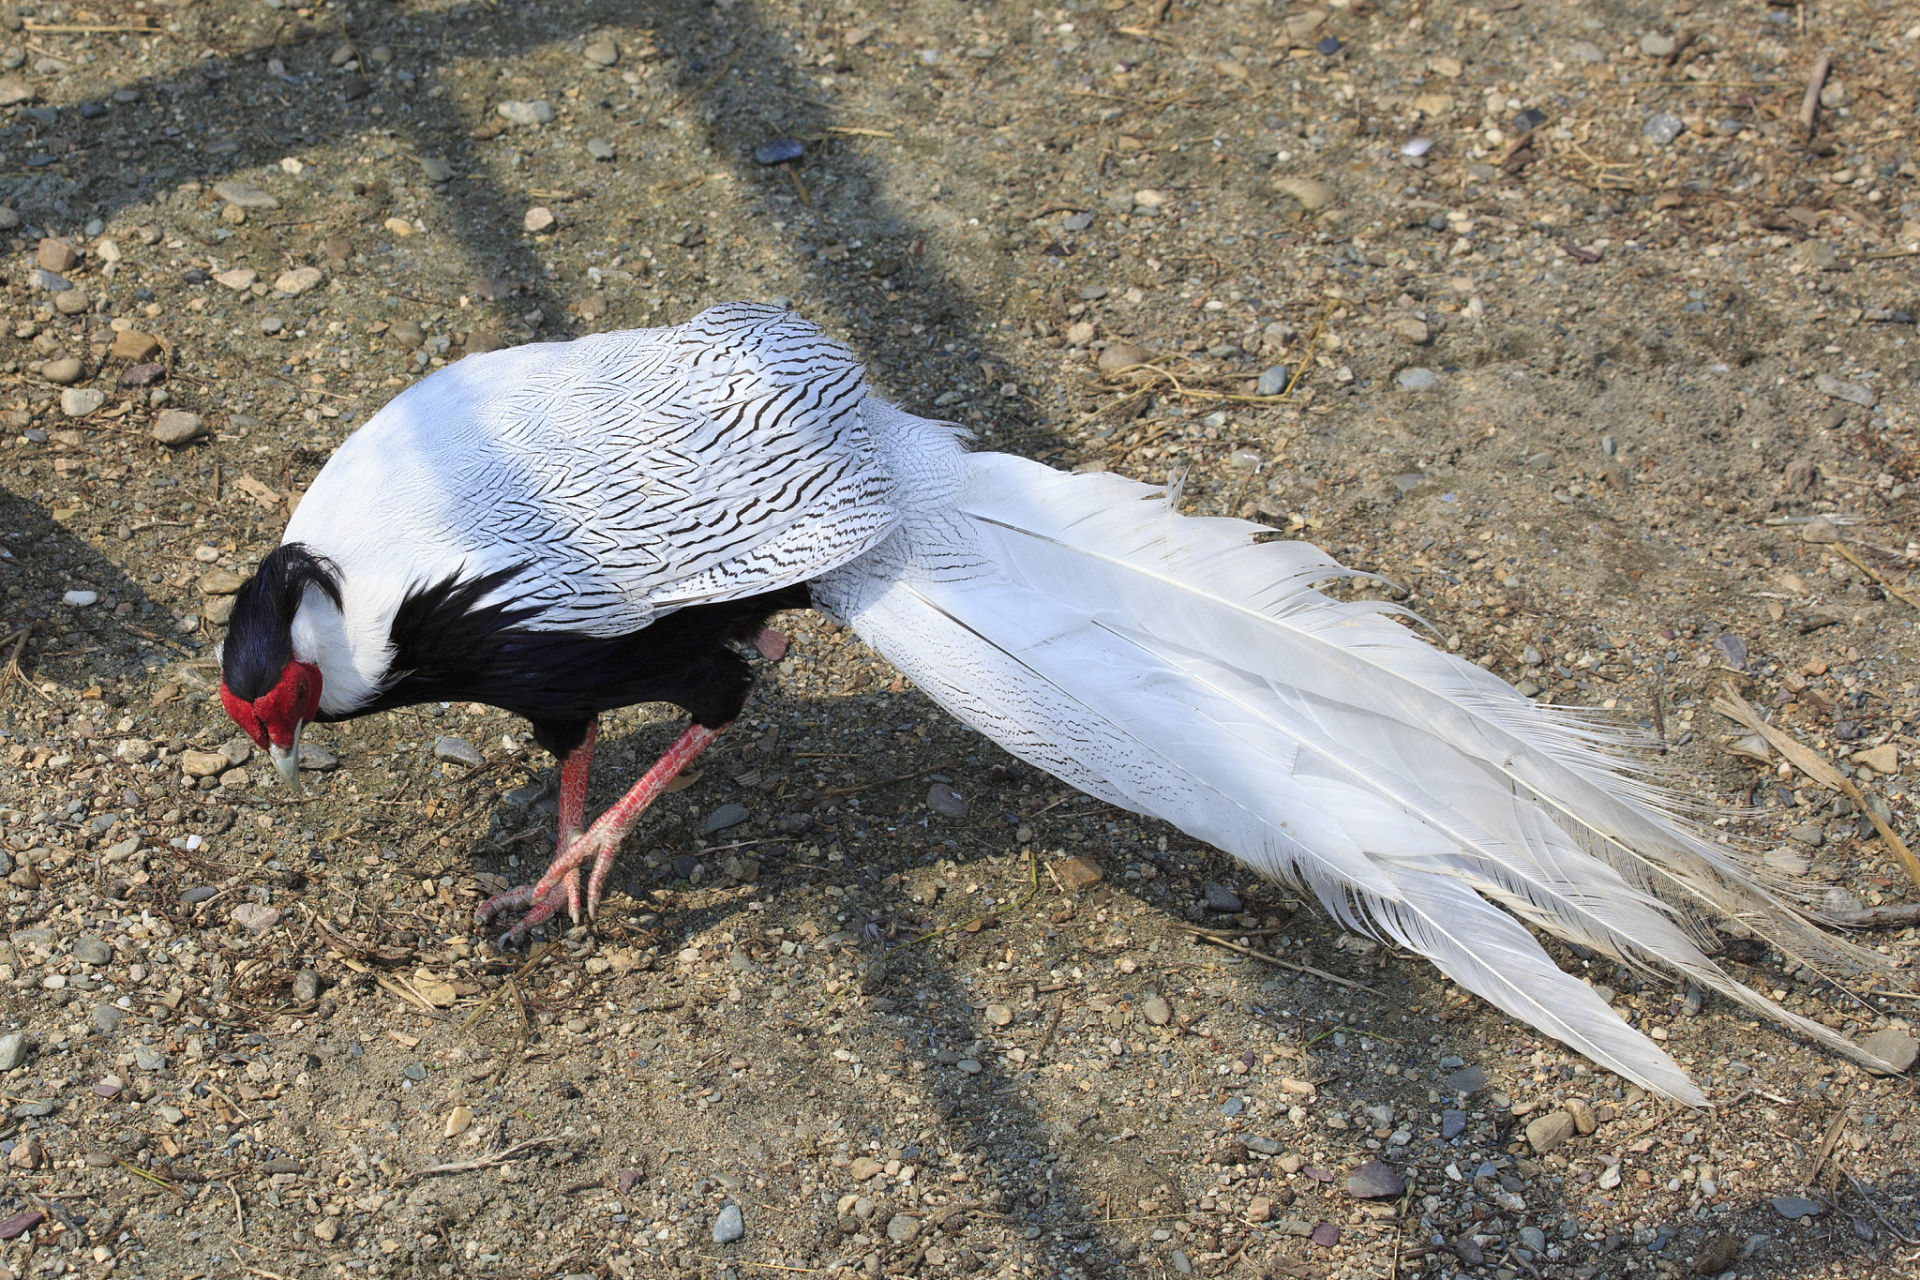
{"x": 1182, "y": 1263}
{"x": 1156, "y": 1011}
{"x": 306, "y": 986}
{"x": 1272, "y": 381}
{"x": 315, "y": 758}
{"x": 969, "y": 1065}
{"x": 1222, "y": 899}
{"x": 945, "y": 801}
{"x": 197, "y": 894}
{"x": 1453, "y": 1123}
{"x": 1893, "y": 1044}
{"x": 1375, "y": 1180}
{"x": 729, "y": 1226}
{"x": 603, "y": 52}
{"x": 1811, "y": 834}
{"x": 1656, "y": 46}
{"x": 1732, "y": 650}
{"x": 727, "y": 815}
{"x": 63, "y": 371}
{"x": 13, "y": 1050}
{"x": 1417, "y": 379}
{"x": 108, "y": 1016}
{"x": 1587, "y": 51}
{"x": 244, "y": 194}
{"x": 600, "y": 149}
{"x": 1534, "y": 1238}
{"x": 902, "y": 1228}
{"x": 178, "y": 426}
{"x": 78, "y": 402}
{"x": 1265, "y": 1146}
{"x": 148, "y": 1058}
{"x": 1852, "y": 392}
{"x": 1408, "y": 481}
{"x": 526, "y": 113}
{"x": 1549, "y": 1131}
{"x": 92, "y": 950}
{"x": 1797, "y": 1207}
{"x": 1662, "y": 127}
{"x": 435, "y": 169}
{"x": 458, "y": 751}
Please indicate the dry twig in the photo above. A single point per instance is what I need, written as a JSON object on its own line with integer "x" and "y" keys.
{"x": 1274, "y": 960}
{"x": 1816, "y": 81}
{"x": 485, "y": 1162}
{"x": 1804, "y": 758}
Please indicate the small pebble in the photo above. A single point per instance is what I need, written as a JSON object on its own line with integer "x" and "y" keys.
{"x": 778, "y": 151}
{"x": 1656, "y": 46}
{"x": 13, "y": 1050}
{"x": 526, "y": 113}
{"x": 257, "y": 918}
{"x": 600, "y": 149}
{"x": 1662, "y": 127}
{"x": 199, "y": 893}
{"x": 78, "y": 402}
{"x": 1453, "y": 1123}
{"x": 62, "y": 371}
{"x": 1220, "y": 898}
{"x": 1182, "y": 1263}
{"x": 729, "y": 1226}
{"x": 945, "y": 801}
{"x": 92, "y": 950}
{"x": 1797, "y": 1207}
{"x": 1375, "y": 1180}
{"x": 1417, "y": 379}
{"x": 177, "y": 427}
{"x": 80, "y": 599}
{"x": 1272, "y": 381}
{"x": 458, "y": 751}
{"x": 1852, "y": 392}
{"x": 727, "y": 815}
{"x": 538, "y": 219}
{"x": 1156, "y": 1011}
{"x": 306, "y": 986}
{"x": 902, "y": 1228}
{"x": 603, "y": 52}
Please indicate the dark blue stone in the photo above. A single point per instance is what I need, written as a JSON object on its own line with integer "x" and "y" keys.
{"x": 1452, "y": 1124}
{"x": 92, "y": 110}
{"x": 778, "y": 151}
{"x": 1329, "y": 46}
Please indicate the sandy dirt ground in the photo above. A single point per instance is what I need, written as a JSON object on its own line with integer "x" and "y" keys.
{"x": 1557, "y": 317}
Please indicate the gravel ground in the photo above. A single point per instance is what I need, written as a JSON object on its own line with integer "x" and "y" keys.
{"x": 1595, "y": 355}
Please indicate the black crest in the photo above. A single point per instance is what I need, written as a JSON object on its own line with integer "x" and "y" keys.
{"x": 259, "y": 635}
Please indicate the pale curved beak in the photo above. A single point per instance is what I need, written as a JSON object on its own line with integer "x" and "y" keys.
{"x": 286, "y": 761}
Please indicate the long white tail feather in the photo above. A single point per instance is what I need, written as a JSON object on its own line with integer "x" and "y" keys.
{"x": 1172, "y": 666}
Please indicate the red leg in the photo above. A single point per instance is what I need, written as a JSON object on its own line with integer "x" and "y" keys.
{"x": 603, "y": 839}
{"x": 575, "y": 771}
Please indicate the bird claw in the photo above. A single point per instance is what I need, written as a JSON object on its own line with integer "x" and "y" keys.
{"x": 561, "y": 883}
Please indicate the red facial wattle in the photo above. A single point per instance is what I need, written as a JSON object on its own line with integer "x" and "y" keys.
{"x": 272, "y": 719}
